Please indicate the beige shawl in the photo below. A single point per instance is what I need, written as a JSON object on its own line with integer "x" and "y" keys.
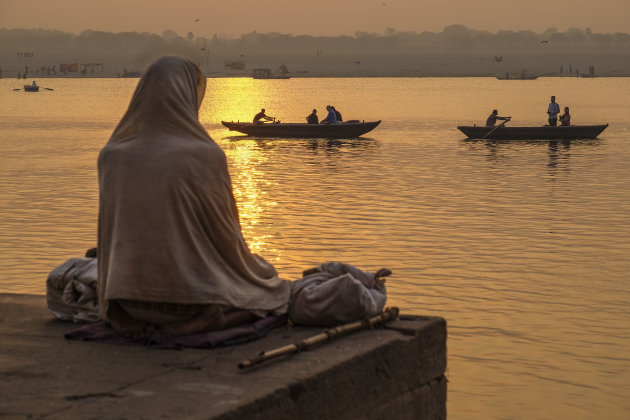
{"x": 168, "y": 223}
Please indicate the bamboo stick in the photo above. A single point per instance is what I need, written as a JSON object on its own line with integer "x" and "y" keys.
{"x": 329, "y": 334}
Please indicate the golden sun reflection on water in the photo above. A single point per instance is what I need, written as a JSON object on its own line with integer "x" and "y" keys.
{"x": 251, "y": 192}
{"x": 239, "y": 99}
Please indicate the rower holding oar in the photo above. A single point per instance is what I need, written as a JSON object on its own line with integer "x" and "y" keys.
{"x": 262, "y": 116}
{"x": 492, "y": 119}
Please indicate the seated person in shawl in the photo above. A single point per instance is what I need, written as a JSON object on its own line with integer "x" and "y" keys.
{"x": 172, "y": 260}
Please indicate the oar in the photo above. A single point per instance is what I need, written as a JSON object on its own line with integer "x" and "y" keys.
{"x": 329, "y": 334}
{"x": 498, "y": 126}
{"x": 16, "y": 89}
{"x": 48, "y": 88}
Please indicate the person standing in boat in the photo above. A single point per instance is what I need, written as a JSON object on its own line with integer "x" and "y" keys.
{"x": 313, "y": 118}
{"x": 331, "y": 118}
{"x": 565, "y": 119}
{"x": 262, "y": 116}
{"x": 553, "y": 110}
{"x": 492, "y": 119}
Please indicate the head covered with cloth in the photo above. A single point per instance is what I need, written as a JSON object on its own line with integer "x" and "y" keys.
{"x": 172, "y": 258}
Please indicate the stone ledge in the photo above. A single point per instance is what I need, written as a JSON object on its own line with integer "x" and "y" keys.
{"x": 368, "y": 374}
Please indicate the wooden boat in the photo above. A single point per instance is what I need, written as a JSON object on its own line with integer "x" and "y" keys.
{"x": 282, "y": 73}
{"x": 346, "y": 130}
{"x": 521, "y": 77}
{"x": 573, "y": 132}
{"x": 31, "y": 88}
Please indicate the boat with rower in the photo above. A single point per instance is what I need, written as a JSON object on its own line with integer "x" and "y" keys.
{"x": 346, "y": 130}
{"x": 501, "y": 132}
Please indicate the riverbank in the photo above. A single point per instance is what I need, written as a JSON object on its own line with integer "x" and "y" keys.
{"x": 311, "y": 75}
{"x": 397, "y": 371}
{"x": 544, "y": 62}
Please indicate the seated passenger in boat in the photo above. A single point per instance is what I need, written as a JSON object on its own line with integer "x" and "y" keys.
{"x": 261, "y": 116}
{"x": 565, "y": 119}
{"x": 492, "y": 119}
{"x": 172, "y": 260}
{"x": 313, "y": 118}
{"x": 331, "y": 118}
{"x": 337, "y": 114}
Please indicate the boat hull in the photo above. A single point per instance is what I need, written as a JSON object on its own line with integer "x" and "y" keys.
{"x": 31, "y": 88}
{"x": 346, "y": 130}
{"x": 574, "y": 132}
{"x": 517, "y": 78}
{"x": 271, "y": 77}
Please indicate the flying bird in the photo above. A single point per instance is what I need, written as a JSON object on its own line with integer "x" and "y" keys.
{"x": 543, "y": 42}
{"x": 196, "y": 20}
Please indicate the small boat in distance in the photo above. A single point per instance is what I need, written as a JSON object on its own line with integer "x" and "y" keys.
{"x": 573, "y": 132}
{"x": 346, "y": 130}
{"x": 522, "y": 76}
{"x": 281, "y": 73}
{"x": 31, "y": 88}
{"x": 508, "y": 77}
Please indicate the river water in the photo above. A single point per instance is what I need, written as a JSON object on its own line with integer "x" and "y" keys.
{"x": 523, "y": 247}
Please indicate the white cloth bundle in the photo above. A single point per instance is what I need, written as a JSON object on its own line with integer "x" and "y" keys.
{"x": 336, "y": 293}
{"x": 71, "y": 290}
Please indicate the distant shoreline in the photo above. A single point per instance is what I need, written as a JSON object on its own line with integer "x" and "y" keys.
{"x": 363, "y": 76}
{"x": 321, "y": 76}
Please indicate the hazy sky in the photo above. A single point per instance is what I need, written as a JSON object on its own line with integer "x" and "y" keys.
{"x": 322, "y": 17}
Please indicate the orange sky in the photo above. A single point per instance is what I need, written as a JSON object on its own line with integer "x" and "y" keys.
{"x": 322, "y": 17}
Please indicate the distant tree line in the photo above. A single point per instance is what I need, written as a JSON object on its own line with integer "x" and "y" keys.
{"x": 135, "y": 50}
{"x": 452, "y": 38}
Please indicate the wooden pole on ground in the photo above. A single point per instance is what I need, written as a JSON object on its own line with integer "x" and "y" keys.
{"x": 329, "y": 334}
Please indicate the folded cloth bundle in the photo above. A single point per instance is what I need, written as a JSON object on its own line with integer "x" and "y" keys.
{"x": 335, "y": 293}
{"x": 71, "y": 290}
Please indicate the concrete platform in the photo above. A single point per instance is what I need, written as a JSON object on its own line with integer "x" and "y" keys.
{"x": 396, "y": 372}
